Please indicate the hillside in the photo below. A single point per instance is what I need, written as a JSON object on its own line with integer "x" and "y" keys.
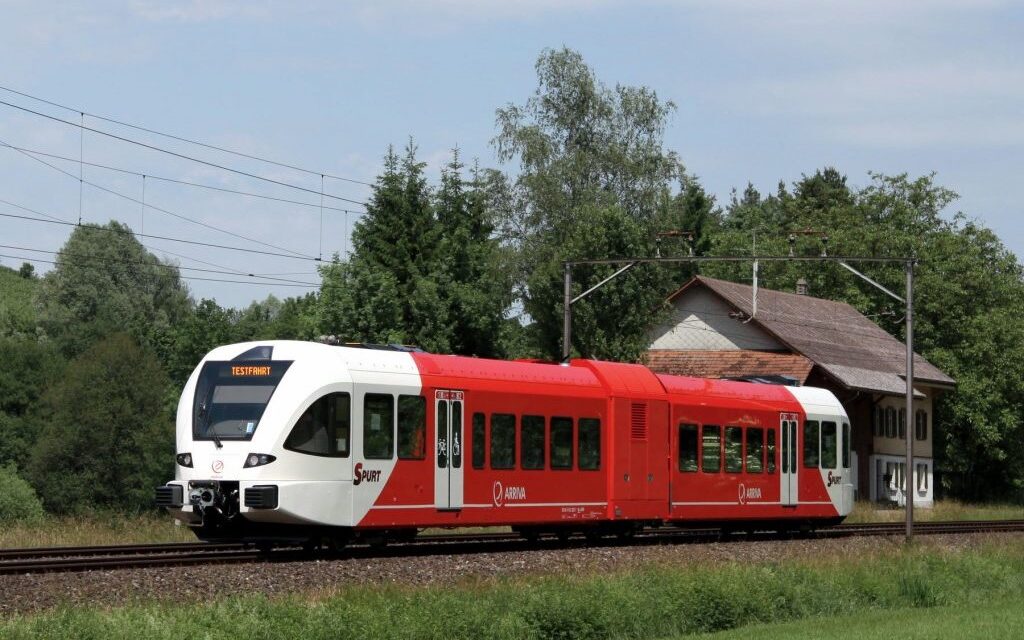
{"x": 17, "y": 310}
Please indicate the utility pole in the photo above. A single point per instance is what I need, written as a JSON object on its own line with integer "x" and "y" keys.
{"x": 908, "y": 475}
{"x": 843, "y": 261}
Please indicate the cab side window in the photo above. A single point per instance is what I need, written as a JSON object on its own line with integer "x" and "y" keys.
{"x": 589, "y": 444}
{"x": 811, "y": 444}
{"x": 687, "y": 447}
{"x": 324, "y": 428}
{"x": 378, "y": 426}
{"x": 412, "y": 427}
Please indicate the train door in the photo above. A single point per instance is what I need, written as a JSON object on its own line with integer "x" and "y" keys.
{"x": 788, "y": 428}
{"x": 448, "y": 471}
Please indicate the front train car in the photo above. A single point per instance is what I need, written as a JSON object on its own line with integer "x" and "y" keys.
{"x": 263, "y": 439}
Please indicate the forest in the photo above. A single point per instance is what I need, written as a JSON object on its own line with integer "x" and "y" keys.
{"x": 95, "y": 351}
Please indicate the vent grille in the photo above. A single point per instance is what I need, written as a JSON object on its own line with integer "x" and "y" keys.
{"x": 638, "y": 421}
{"x": 170, "y": 495}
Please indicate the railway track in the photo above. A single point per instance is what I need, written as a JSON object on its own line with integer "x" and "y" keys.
{"x": 65, "y": 559}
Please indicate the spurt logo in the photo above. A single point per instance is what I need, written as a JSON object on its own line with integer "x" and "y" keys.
{"x": 365, "y": 475}
{"x": 834, "y": 479}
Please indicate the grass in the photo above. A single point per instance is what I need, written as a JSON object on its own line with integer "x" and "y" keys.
{"x": 865, "y": 511}
{"x": 99, "y": 529}
{"x": 996, "y": 620}
{"x": 919, "y": 584}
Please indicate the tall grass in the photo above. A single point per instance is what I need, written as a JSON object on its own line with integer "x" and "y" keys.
{"x": 96, "y": 529}
{"x": 865, "y": 511}
{"x": 648, "y": 603}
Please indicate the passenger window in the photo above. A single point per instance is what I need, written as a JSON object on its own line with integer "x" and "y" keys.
{"x": 412, "y": 427}
{"x": 711, "y": 444}
{"x": 733, "y": 450}
{"x": 561, "y": 443}
{"x": 828, "y": 445}
{"x": 589, "y": 434}
{"x": 771, "y": 451}
{"x": 532, "y": 442}
{"x": 846, "y": 446}
{"x": 811, "y": 457}
{"x": 503, "y": 441}
{"x": 323, "y": 429}
{"x": 687, "y": 447}
{"x": 755, "y": 450}
{"x": 378, "y": 426}
{"x": 479, "y": 440}
{"x": 442, "y": 435}
{"x": 456, "y": 434}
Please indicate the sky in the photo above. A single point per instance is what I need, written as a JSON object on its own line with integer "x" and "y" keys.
{"x": 765, "y": 91}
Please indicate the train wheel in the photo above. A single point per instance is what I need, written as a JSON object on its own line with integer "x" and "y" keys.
{"x": 563, "y": 536}
{"x": 264, "y": 547}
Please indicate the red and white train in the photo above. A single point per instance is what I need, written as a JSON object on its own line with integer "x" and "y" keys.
{"x": 306, "y": 442}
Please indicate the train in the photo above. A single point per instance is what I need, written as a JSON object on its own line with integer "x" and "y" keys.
{"x": 317, "y": 444}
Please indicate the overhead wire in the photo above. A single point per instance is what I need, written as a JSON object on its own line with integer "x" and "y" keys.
{"x": 152, "y": 206}
{"x": 276, "y": 284}
{"x": 183, "y": 139}
{"x": 150, "y": 176}
{"x": 81, "y": 256}
{"x": 178, "y": 155}
{"x": 156, "y": 237}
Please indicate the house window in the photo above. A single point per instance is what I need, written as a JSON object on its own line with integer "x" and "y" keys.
{"x": 921, "y": 425}
{"x": 903, "y": 423}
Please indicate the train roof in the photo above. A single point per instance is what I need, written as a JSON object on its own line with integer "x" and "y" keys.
{"x": 615, "y": 378}
{"x": 681, "y": 385}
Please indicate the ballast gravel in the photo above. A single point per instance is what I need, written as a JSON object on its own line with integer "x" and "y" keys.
{"x": 115, "y": 588}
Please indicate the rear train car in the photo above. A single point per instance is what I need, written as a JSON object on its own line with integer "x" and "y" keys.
{"x": 305, "y": 442}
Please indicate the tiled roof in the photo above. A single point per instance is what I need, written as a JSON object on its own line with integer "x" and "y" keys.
{"x": 730, "y": 364}
{"x": 850, "y": 347}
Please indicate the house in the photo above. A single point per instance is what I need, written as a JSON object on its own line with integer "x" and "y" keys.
{"x": 714, "y": 332}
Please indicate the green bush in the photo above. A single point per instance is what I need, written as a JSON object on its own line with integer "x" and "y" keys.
{"x": 18, "y": 501}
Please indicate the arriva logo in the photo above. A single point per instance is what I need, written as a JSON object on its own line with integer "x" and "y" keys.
{"x": 503, "y": 494}
{"x": 834, "y": 479}
{"x": 749, "y": 493}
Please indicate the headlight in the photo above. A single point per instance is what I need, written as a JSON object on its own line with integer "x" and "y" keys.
{"x": 184, "y": 459}
{"x": 258, "y": 460}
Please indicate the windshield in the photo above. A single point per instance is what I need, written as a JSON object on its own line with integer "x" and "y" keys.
{"x": 231, "y": 397}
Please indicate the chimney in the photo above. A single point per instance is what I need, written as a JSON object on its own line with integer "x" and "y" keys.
{"x": 801, "y": 287}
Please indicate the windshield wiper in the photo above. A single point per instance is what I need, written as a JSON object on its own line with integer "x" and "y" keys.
{"x": 206, "y": 424}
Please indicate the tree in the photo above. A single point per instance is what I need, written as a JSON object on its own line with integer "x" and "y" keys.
{"x": 475, "y": 291}
{"x": 29, "y": 367}
{"x": 208, "y": 325}
{"x": 588, "y": 155}
{"x": 108, "y": 437}
{"x": 386, "y": 292}
{"x": 968, "y": 292}
{"x": 104, "y": 282}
